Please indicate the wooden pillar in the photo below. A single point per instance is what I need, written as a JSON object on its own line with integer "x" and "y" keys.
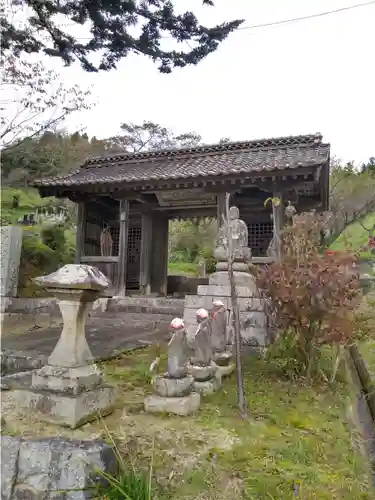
{"x": 123, "y": 247}
{"x": 146, "y": 254}
{"x": 278, "y": 221}
{"x": 159, "y": 258}
{"x": 81, "y": 231}
{"x": 220, "y": 209}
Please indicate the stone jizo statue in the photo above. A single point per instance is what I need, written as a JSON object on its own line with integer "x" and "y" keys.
{"x": 219, "y": 326}
{"x": 233, "y": 234}
{"x": 201, "y": 342}
{"x": 178, "y": 350}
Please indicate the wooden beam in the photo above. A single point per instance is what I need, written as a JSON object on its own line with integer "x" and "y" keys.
{"x": 123, "y": 247}
{"x": 81, "y": 230}
{"x": 146, "y": 254}
{"x": 277, "y": 216}
{"x": 220, "y": 209}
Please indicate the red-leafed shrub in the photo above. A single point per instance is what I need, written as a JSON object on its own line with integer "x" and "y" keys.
{"x": 313, "y": 295}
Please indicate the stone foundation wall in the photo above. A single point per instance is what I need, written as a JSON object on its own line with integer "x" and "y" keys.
{"x": 53, "y": 468}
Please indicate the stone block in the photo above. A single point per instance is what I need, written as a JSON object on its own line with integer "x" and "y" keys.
{"x": 177, "y": 406}
{"x": 173, "y": 387}
{"x": 240, "y": 279}
{"x": 202, "y": 373}
{"x": 67, "y": 410}
{"x": 208, "y": 386}
{"x": 225, "y": 371}
{"x": 53, "y": 469}
{"x": 219, "y": 291}
{"x": 69, "y": 380}
{"x": 11, "y": 245}
{"x": 10, "y": 447}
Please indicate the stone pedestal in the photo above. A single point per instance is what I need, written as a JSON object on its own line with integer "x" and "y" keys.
{"x": 70, "y": 389}
{"x": 253, "y": 321}
{"x": 205, "y": 379}
{"x": 173, "y": 395}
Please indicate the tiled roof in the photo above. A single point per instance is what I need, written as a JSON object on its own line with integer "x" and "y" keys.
{"x": 231, "y": 158}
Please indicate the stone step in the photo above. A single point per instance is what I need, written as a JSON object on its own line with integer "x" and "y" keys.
{"x": 245, "y": 304}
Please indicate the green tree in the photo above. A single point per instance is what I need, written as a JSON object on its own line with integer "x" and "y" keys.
{"x": 112, "y": 24}
{"x": 149, "y": 136}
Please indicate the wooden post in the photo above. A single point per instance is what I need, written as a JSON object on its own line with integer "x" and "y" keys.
{"x": 123, "y": 247}
{"x": 81, "y": 231}
{"x": 220, "y": 209}
{"x": 278, "y": 221}
{"x": 159, "y": 257}
{"x": 146, "y": 253}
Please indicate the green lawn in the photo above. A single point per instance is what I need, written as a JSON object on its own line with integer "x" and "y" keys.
{"x": 355, "y": 236}
{"x": 28, "y": 201}
{"x": 183, "y": 268}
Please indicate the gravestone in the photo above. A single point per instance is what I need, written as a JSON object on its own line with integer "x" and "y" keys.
{"x": 11, "y": 245}
{"x": 253, "y": 320}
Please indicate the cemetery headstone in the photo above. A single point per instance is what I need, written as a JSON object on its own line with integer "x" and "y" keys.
{"x": 11, "y": 246}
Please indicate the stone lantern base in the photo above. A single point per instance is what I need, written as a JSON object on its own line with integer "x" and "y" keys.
{"x": 69, "y": 397}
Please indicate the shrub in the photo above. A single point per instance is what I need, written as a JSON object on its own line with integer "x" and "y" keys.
{"x": 54, "y": 237}
{"x": 313, "y": 296}
{"x": 36, "y": 259}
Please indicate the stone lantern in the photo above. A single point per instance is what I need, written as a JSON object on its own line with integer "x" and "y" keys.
{"x": 70, "y": 389}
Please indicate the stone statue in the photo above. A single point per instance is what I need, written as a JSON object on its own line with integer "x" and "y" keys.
{"x": 178, "y": 350}
{"x": 201, "y": 343}
{"x": 201, "y": 365}
{"x": 219, "y": 326}
{"x": 174, "y": 390}
{"x": 235, "y": 232}
{"x": 222, "y": 352}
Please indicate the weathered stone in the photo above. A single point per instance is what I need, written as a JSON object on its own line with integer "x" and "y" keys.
{"x": 224, "y": 370}
{"x": 202, "y": 373}
{"x": 178, "y": 350}
{"x": 67, "y": 380}
{"x": 51, "y": 469}
{"x": 178, "y": 406}
{"x": 173, "y": 387}
{"x": 75, "y": 276}
{"x": 10, "y": 447}
{"x": 15, "y": 362}
{"x": 201, "y": 343}
{"x": 206, "y": 387}
{"x": 232, "y": 237}
{"x": 11, "y": 244}
{"x": 67, "y": 410}
{"x": 223, "y": 358}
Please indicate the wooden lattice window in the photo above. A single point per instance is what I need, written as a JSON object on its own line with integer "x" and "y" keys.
{"x": 260, "y": 235}
{"x": 134, "y": 244}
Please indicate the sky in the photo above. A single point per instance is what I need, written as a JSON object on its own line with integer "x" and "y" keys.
{"x": 311, "y": 76}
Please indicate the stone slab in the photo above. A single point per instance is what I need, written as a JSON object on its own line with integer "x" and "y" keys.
{"x": 53, "y": 469}
{"x": 69, "y": 380}
{"x": 245, "y": 304}
{"x": 240, "y": 279}
{"x": 224, "y": 291}
{"x": 65, "y": 410}
{"x": 10, "y": 258}
{"x": 177, "y": 406}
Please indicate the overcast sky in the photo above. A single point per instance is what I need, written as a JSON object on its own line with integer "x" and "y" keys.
{"x": 312, "y": 76}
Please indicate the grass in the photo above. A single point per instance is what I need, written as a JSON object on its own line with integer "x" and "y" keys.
{"x": 183, "y": 268}
{"x": 355, "y": 237}
{"x": 296, "y": 438}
